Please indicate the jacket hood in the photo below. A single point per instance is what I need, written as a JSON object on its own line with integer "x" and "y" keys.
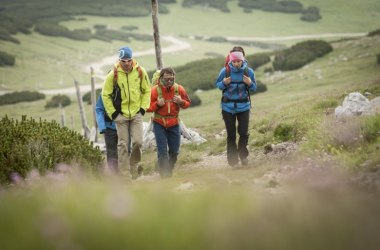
{"x": 234, "y": 69}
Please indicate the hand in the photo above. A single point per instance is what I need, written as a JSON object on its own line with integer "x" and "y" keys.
{"x": 227, "y": 80}
{"x": 177, "y": 99}
{"x": 160, "y": 102}
{"x": 247, "y": 80}
{"x": 114, "y": 115}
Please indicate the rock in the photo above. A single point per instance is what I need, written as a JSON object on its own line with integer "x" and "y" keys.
{"x": 355, "y": 104}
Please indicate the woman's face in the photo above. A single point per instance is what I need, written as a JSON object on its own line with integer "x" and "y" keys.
{"x": 237, "y": 63}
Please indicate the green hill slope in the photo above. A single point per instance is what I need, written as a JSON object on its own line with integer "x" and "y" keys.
{"x": 305, "y": 200}
{"x": 45, "y": 62}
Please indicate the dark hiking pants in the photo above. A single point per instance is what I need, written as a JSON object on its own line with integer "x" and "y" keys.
{"x": 236, "y": 151}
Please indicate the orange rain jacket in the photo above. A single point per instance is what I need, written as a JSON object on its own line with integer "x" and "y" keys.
{"x": 167, "y": 115}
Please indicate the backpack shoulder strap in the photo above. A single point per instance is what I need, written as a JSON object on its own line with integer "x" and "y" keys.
{"x": 246, "y": 71}
{"x": 159, "y": 91}
{"x": 228, "y": 70}
{"x": 176, "y": 92}
{"x": 140, "y": 73}
{"x": 114, "y": 75}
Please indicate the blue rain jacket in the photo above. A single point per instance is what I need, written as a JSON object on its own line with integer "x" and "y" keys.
{"x": 103, "y": 122}
{"x": 237, "y": 89}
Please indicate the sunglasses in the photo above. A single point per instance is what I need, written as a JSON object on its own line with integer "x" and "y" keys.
{"x": 124, "y": 61}
{"x": 236, "y": 61}
{"x": 169, "y": 79}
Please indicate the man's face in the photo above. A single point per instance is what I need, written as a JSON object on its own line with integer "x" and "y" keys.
{"x": 168, "y": 79}
{"x": 126, "y": 64}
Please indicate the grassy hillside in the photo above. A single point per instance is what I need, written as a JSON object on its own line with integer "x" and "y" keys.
{"x": 313, "y": 199}
{"x": 51, "y": 62}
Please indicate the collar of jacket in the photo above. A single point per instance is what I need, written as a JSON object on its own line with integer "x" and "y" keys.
{"x": 135, "y": 64}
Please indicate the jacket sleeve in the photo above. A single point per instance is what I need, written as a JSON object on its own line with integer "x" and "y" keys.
{"x": 145, "y": 91}
{"x": 219, "y": 81}
{"x": 153, "y": 99}
{"x": 99, "y": 113}
{"x": 107, "y": 94}
{"x": 253, "y": 86}
{"x": 185, "y": 97}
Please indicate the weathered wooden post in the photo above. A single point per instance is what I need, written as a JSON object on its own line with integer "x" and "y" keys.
{"x": 93, "y": 102}
{"x": 86, "y": 130}
{"x": 156, "y": 34}
{"x": 63, "y": 119}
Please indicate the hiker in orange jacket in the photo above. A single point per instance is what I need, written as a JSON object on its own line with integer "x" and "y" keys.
{"x": 167, "y": 99}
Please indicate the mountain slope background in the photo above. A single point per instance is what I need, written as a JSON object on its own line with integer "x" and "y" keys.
{"x": 52, "y": 62}
{"x": 312, "y": 181}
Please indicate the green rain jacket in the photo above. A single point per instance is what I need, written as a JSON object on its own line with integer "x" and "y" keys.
{"x": 133, "y": 94}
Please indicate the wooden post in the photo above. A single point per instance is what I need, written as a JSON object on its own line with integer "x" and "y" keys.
{"x": 63, "y": 123}
{"x": 86, "y": 130}
{"x": 93, "y": 102}
{"x": 156, "y": 34}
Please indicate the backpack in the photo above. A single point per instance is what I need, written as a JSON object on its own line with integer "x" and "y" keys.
{"x": 159, "y": 92}
{"x": 228, "y": 74}
{"x": 116, "y": 94}
{"x": 156, "y": 77}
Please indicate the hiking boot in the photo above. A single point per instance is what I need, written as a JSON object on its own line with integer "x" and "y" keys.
{"x": 244, "y": 162}
{"x": 133, "y": 171}
{"x": 140, "y": 170}
{"x": 233, "y": 164}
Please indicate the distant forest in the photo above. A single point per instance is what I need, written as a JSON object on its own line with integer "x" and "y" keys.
{"x": 44, "y": 15}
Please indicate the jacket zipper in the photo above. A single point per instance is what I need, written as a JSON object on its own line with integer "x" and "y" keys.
{"x": 129, "y": 99}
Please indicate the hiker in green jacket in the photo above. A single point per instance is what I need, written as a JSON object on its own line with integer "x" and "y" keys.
{"x": 126, "y": 97}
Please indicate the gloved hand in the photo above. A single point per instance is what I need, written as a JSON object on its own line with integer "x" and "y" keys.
{"x": 142, "y": 111}
{"x": 114, "y": 115}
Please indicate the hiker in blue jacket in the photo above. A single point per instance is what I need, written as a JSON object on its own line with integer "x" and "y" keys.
{"x": 108, "y": 128}
{"x": 236, "y": 80}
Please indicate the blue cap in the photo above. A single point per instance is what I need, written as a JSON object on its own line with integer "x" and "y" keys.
{"x": 125, "y": 53}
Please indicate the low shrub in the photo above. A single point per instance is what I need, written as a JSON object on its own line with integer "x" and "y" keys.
{"x": 311, "y": 14}
{"x": 87, "y": 97}
{"x": 80, "y": 34}
{"x": 257, "y": 60}
{"x": 100, "y": 26}
{"x": 109, "y": 35}
{"x": 216, "y": 4}
{"x": 261, "y": 87}
{"x": 28, "y": 144}
{"x": 129, "y": 27}
{"x": 195, "y": 100}
{"x": 374, "y": 33}
{"x": 22, "y": 96}
{"x": 5, "y": 36}
{"x": 371, "y": 128}
{"x": 217, "y": 39}
{"x": 6, "y": 59}
{"x": 57, "y": 100}
{"x": 300, "y": 54}
{"x": 284, "y": 132}
{"x": 51, "y": 29}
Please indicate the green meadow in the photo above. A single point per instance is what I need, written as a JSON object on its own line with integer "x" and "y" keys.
{"x": 323, "y": 196}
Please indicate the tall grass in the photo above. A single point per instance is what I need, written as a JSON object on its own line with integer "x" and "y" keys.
{"x": 76, "y": 212}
